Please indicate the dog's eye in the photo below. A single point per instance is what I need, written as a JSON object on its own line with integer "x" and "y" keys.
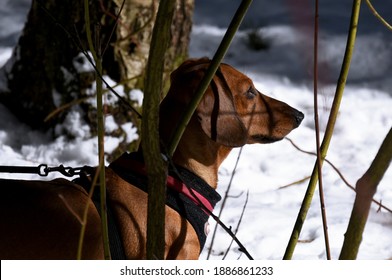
{"x": 251, "y": 93}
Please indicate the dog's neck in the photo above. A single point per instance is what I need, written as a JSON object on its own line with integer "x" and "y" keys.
{"x": 199, "y": 154}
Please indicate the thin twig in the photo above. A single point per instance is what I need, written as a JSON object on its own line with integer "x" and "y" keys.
{"x": 295, "y": 183}
{"x": 238, "y": 224}
{"x": 85, "y": 53}
{"x": 317, "y": 131}
{"x": 225, "y": 197}
{"x": 95, "y": 49}
{"x": 136, "y": 29}
{"x": 85, "y": 213}
{"x": 235, "y": 196}
{"x": 378, "y": 16}
{"x": 64, "y": 107}
{"x": 301, "y": 217}
{"x": 114, "y": 27}
{"x": 79, "y": 45}
{"x": 337, "y": 171}
{"x": 216, "y": 218}
{"x": 62, "y": 198}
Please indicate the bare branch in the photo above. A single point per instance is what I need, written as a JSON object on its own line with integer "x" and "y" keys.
{"x": 336, "y": 170}
{"x": 225, "y": 197}
{"x": 238, "y": 224}
{"x": 378, "y": 16}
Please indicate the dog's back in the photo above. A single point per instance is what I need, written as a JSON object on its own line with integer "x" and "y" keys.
{"x": 42, "y": 220}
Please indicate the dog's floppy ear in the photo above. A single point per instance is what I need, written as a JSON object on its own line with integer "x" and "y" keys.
{"x": 218, "y": 117}
{"x": 190, "y": 65}
{"x": 216, "y": 111}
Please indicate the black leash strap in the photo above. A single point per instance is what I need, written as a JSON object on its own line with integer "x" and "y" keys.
{"x": 41, "y": 170}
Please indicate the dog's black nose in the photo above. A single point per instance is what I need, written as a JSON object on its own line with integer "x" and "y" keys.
{"x": 298, "y": 117}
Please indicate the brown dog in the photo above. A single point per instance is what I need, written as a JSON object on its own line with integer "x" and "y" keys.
{"x": 41, "y": 220}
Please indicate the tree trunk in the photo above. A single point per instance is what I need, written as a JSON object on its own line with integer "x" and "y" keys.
{"x": 134, "y": 34}
{"x": 45, "y": 72}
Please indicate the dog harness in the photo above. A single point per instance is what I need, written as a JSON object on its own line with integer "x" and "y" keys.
{"x": 187, "y": 193}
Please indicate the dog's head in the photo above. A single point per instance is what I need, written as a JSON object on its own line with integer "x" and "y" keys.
{"x": 232, "y": 111}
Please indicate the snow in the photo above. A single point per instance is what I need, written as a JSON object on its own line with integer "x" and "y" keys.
{"x": 284, "y": 72}
{"x": 137, "y": 95}
{"x": 82, "y": 64}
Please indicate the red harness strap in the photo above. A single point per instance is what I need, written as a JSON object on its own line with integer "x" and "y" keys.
{"x": 193, "y": 195}
{"x": 178, "y": 186}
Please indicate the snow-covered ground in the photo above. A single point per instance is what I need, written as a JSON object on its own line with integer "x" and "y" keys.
{"x": 284, "y": 72}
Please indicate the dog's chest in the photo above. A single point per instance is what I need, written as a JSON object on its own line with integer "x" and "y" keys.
{"x": 187, "y": 194}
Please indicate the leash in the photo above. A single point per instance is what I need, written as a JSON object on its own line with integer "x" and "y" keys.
{"x": 42, "y": 170}
{"x": 116, "y": 247}
{"x": 115, "y": 242}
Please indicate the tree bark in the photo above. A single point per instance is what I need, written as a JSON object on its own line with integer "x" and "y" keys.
{"x": 41, "y": 65}
{"x": 156, "y": 166}
{"x": 44, "y": 73}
